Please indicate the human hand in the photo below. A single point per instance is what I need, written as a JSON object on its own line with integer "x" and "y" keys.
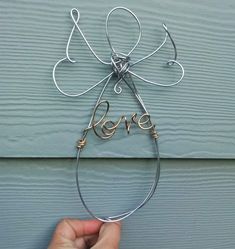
{"x": 84, "y": 234}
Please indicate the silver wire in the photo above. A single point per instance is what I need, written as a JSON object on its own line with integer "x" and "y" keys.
{"x": 169, "y": 63}
{"x": 107, "y": 33}
{"x": 122, "y": 64}
{"x": 157, "y": 49}
{"x": 73, "y": 14}
{"x": 153, "y": 187}
{"x": 122, "y": 69}
{"x": 129, "y": 212}
{"x": 74, "y": 94}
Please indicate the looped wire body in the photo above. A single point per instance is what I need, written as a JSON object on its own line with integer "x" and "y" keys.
{"x": 154, "y": 136}
{"x": 131, "y": 211}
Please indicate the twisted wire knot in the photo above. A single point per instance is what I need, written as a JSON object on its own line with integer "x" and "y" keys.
{"x": 154, "y": 133}
{"x": 120, "y": 64}
{"x": 81, "y": 143}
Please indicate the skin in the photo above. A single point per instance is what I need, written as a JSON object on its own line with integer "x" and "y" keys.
{"x": 84, "y": 234}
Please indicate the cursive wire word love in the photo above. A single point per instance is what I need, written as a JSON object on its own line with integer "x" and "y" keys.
{"x": 105, "y": 128}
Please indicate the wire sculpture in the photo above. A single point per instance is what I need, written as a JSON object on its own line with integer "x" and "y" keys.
{"x": 122, "y": 71}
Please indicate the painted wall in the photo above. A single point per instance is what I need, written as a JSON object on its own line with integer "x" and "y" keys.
{"x": 194, "y": 204}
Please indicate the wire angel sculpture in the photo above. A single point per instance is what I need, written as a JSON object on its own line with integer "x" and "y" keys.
{"x": 121, "y": 68}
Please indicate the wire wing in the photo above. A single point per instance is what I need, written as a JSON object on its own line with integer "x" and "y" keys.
{"x": 169, "y": 62}
{"x": 75, "y": 15}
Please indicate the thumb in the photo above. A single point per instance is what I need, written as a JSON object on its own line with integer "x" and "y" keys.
{"x": 109, "y": 236}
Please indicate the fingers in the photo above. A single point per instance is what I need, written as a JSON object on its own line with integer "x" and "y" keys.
{"x": 109, "y": 236}
{"x": 70, "y": 229}
{"x": 86, "y": 241}
{"x": 84, "y": 227}
{"x": 72, "y": 233}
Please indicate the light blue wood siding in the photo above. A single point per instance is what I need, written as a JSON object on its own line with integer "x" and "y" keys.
{"x": 194, "y": 204}
{"x": 192, "y": 208}
{"x": 194, "y": 119}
